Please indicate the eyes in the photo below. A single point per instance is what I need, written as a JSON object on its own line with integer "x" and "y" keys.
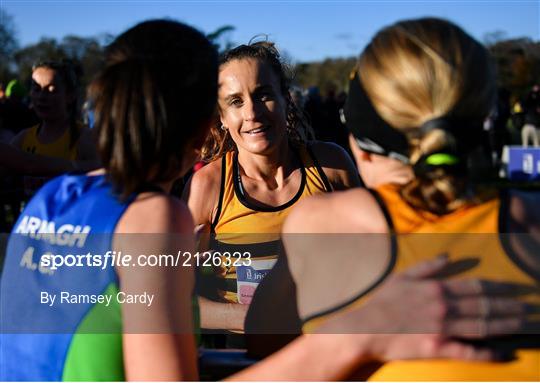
{"x": 50, "y": 89}
{"x": 262, "y": 96}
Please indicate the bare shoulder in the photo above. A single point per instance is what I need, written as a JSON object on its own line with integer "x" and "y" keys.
{"x": 334, "y": 248}
{"x": 336, "y": 164}
{"x": 156, "y": 213}
{"x": 208, "y": 176}
{"x": 328, "y": 153}
{"x": 17, "y": 141}
{"x": 350, "y": 211}
{"x": 202, "y": 192}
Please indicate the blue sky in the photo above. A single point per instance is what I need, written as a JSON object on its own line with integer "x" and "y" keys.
{"x": 306, "y": 30}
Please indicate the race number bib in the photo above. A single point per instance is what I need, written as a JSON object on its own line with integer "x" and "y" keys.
{"x": 249, "y": 277}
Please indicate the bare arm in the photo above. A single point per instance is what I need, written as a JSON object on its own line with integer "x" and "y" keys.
{"x": 158, "y": 339}
{"x": 269, "y": 330}
{"x": 201, "y": 193}
{"x": 319, "y": 357}
{"x": 383, "y": 330}
{"x": 18, "y": 139}
{"x": 15, "y": 160}
{"x": 219, "y": 316}
{"x": 202, "y": 197}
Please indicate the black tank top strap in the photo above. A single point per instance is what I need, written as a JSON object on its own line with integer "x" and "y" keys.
{"x": 243, "y": 198}
{"x": 384, "y": 274}
{"x": 324, "y": 178}
{"x": 221, "y": 192}
{"x": 504, "y": 197}
{"x": 384, "y": 209}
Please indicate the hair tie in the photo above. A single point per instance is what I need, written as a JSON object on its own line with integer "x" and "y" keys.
{"x": 441, "y": 123}
{"x": 441, "y": 159}
{"x": 429, "y": 162}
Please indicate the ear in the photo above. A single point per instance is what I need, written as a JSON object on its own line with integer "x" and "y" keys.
{"x": 366, "y": 156}
{"x": 223, "y": 126}
{"x": 359, "y": 154}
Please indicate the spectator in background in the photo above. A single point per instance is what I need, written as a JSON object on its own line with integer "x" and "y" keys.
{"x": 531, "y": 106}
{"x": 323, "y": 113}
{"x": 297, "y": 97}
{"x": 54, "y": 96}
{"x": 60, "y": 132}
{"x": 502, "y": 135}
{"x": 313, "y": 108}
{"x": 334, "y": 130}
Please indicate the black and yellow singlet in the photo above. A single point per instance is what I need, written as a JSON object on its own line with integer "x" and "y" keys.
{"x": 60, "y": 148}
{"x": 480, "y": 253}
{"x": 241, "y": 227}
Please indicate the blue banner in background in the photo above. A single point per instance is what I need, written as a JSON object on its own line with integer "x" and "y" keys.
{"x": 523, "y": 163}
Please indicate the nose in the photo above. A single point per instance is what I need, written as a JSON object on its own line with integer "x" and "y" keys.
{"x": 252, "y": 110}
{"x": 39, "y": 93}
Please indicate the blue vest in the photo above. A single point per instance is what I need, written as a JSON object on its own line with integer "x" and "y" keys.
{"x": 46, "y": 340}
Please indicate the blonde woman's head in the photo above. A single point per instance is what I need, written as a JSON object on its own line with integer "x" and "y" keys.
{"x": 429, "y": 70}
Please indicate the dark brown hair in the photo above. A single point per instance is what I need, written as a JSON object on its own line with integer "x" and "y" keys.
{"x": 155, "y": 97}
{"x": 299, "y": 131}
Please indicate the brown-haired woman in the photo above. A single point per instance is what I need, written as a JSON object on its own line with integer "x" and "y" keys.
{"x": 54, "y": 95}
{"x": 149, "y": 132}
{"x": 262, "y": 164}
{"x": 60, "y": 133}
{"x": 416, "y": 107}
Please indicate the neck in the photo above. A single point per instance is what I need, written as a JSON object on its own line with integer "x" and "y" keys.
{"x": 166, "y": 186}
{"x": 275, "y": 166}
{"x": 53, "y": 128}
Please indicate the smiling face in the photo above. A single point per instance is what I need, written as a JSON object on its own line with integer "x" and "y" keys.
{"x": 252, "y": 105}
{"x": 48, "y": 94}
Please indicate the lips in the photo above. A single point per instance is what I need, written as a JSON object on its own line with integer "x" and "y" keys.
{"x": 255, "y": 131}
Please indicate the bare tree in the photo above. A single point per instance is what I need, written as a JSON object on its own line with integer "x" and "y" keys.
{"x": 8, "y": 45}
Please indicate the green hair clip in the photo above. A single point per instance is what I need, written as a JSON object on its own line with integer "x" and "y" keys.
{"x": 439, "y": 159}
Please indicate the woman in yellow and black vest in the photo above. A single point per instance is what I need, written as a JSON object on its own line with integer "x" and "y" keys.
{"x": 416, "y": 106}
{"x": 261, "y": 165}
{"x": 60, "y": 133}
